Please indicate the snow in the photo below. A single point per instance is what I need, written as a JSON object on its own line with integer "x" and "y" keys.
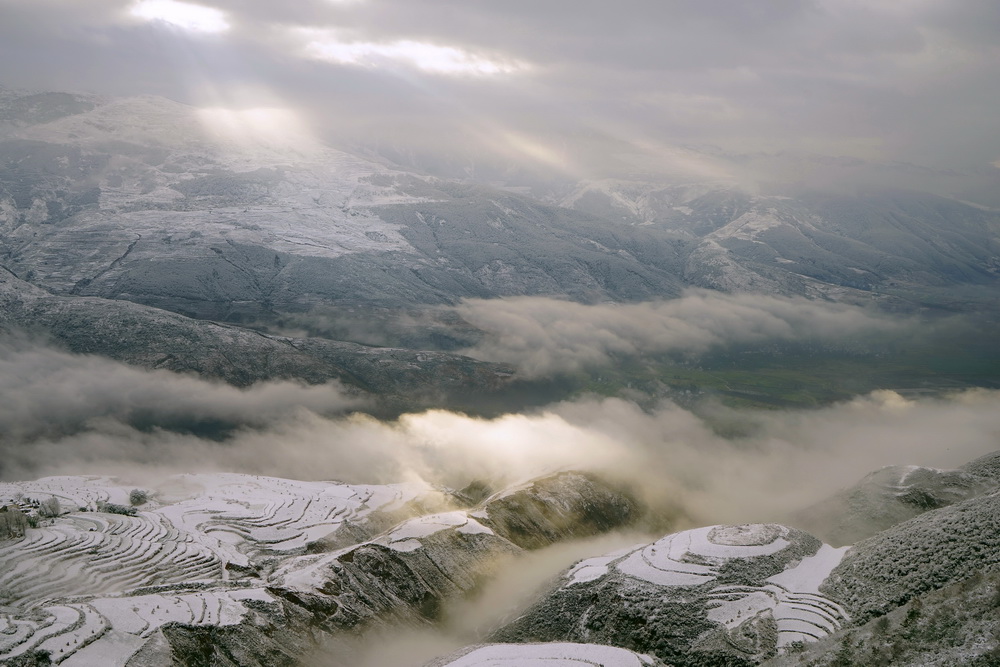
{"x": 743, "y": 541}
{"x": 649, "y": 566}
{"x": 73, "y": 491}
{"x": 77, "y": 626}
{"x": 406, "y": 536}
{"x": 811, "y": 571}
{"x": 691, "y": 558}
{"x": 799, "y": 616}
{"x": 733, "y": 609}
{"x": 308, "y": 573}
{"x": 113, "y": 649}
{"x": 473, "y": 527}
{"x": 592, "y": 569}
{"x": 712, "y": 265}
{"x": 315, "y": 202}
{"x": 752, "y": 224}
{"x": 405, "y": 545}
{"x": 792, "y": 597}
{"x": 556, "y": 654}
{"x": 272, "y": 513}
{"x": 189, "y": 530}
{"x": 694, "y": 558}
{"x": 132, "y": 619}
{"x": 426, "y": 526}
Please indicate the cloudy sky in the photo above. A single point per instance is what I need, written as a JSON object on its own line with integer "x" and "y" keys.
{"x": 879, "y": 81}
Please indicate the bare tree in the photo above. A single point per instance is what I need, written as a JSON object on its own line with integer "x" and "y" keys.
{"x": 50, "y": 507}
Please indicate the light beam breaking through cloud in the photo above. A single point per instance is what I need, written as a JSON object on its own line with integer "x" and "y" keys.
{"x": 890, "y": 94}
{"x": 433, "y": 58}
{"x": 185, "y": 15}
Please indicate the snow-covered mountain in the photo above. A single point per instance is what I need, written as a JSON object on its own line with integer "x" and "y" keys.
{"x": 816, "y": 244}
{"x": 148, "y": 200}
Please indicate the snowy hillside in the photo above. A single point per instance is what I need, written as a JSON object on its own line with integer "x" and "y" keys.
{"x": 250, "y": 570}
{"x": 833, "y": 246}
{"x": 189, "y": 553}
{"x": 741, "y": 592}
{"x": 202, "y": 213}
{"x": 890, "y": 496}
{"x": 113, "y": 575}
{"x": 156, "y": 339}
{"x": 551, "y": 655}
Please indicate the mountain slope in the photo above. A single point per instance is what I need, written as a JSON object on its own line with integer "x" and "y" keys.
{"x": 158, "y": 339}
{"x": 152, "y": 201}
{"x": 215, "y": 568}
{"x": 815, "y": 244}
{"x": 717, "y": 595}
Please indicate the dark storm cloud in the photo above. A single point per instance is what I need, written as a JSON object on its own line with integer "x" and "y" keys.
{"x": 886, "y": 81}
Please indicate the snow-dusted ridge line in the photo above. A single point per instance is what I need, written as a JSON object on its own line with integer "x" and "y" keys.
{"x": 309, "y": 573}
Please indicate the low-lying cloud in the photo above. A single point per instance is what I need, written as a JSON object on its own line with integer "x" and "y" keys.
{"x": 542, "y": 335}
{"x": 69, "y": 414}
{"x": 47, "y": 392}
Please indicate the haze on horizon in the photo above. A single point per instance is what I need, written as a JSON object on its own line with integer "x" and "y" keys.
{"x": 812, "y": 92}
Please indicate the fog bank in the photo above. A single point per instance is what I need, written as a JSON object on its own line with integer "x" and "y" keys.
{"x": 70, "y": 414}
{"x": 542, "y": 335}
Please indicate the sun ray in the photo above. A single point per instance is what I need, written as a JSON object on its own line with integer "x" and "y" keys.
{"x": 184, "y": 15}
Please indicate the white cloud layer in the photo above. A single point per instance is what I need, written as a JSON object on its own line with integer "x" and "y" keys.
{"x": 69, "y": 414}
{"x": 542, "y": 335}
{"x": 449, "y": 60}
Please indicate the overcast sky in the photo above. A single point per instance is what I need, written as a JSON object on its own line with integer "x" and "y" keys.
{"x": 915, "y": 81}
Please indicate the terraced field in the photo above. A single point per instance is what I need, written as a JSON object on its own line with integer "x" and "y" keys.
{"x": 739, "y": 591}
{"x": 187, "y": 554}
{"x": 236, "y": 567}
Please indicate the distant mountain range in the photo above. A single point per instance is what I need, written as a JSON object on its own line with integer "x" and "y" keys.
{"x": 105, "y": 201}
{"x": 137, "y": 199}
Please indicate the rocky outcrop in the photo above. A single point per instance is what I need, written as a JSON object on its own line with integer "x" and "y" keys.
{"x": 563, "y": 506}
